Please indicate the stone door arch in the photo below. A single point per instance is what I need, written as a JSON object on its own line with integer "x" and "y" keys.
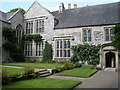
{"x": 108, "y": 53}
{"x": 110, "y": 59}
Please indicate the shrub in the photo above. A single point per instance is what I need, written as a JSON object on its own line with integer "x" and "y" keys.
{"x": 57, "y": 69}
{"x": 29, "y": 70}
{"x": 38, "y": 61}
{"x": 47, "y": 53}
{"x": 5, "y": 77}
{"x": 98, "y": 68}
{"x": 68, "y": 65}
{"x": 77, "y": 64}
{"x": 86, "y": 53}
{"x": 89, "y": 66}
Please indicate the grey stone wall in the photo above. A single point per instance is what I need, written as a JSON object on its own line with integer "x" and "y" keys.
{"x": 16, "y": 20}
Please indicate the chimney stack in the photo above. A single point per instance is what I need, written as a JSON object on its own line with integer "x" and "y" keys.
{"x": 75, "y": 5}
{"x": 69, "y": 6}
{"x": 61, "y": 7}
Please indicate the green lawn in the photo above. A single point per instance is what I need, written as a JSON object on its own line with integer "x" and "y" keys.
{"x": 43, "y": 83}
{"x": 78, "y": 72}
{"x": 35, "y": 65}
{"x": 13, "y": 70}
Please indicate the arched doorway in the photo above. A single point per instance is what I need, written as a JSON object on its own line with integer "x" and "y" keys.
{"x": 110, "y": 59}
{"x": 19, "y": 33}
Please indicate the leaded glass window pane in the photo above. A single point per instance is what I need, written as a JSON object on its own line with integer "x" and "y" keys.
{"x": 89, "y": 35}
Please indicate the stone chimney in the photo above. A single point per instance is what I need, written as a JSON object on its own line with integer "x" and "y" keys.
{"x": 75, "y": 5}
{"x": 69, "y": 6}
{"x": 61, "y": 7}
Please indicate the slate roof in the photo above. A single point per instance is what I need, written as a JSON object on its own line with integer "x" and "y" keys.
{"x": 6, "y": 16}
{"x": 105, "y": 14}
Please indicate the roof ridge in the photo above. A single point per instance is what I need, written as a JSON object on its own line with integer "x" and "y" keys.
{"x": 14, "y": 13}
{"x": 87, "y": 6}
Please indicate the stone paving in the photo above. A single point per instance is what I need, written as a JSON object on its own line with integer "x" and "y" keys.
{"x": 102, "y": 79}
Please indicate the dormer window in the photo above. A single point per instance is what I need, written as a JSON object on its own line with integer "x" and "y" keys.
{"x": 39, "y": 26}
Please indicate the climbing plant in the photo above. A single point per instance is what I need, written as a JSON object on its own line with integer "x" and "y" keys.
{"x": 16, "y": 51}
{"x": 35, "y": 37}
{"x": 86, "y": 53}
{"x": 116, "y": 40}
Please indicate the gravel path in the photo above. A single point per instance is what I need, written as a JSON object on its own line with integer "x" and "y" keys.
{"x": 102, "y": 79}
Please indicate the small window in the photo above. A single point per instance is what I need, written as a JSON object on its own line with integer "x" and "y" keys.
{"x": 62, "y": 48}
{"x": 68, "y": 53}
{"x": 109, "y": 34}
{"x": 57, "y": 44}
{"x": 68, "y": 43}
{"x": 87, "y": 35}
{"x": 28, "y": 49}
{"x": 65, "y": 53}
{"x": 39, "y": 49}
{"x": 29, "y": 27}
{"x": 39, "y": 26}
{"x": 57, "y": 53}
{"x": 64, "y": 44}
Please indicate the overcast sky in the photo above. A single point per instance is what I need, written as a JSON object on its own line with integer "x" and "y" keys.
{"x": 52, "y": 5}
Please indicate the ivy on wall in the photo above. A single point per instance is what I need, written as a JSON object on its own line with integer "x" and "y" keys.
{"x": 116, "y": 40}
{"x": 86, "y": 53}
{"x": 16, "y": 51}
{"x": 35, "y": 37}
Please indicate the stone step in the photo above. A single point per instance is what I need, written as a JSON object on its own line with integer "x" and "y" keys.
{"x": 40, "y": 70}
{"x": 44, "y": 75}
{"x": 44, "y": 72}
{"x": 110, "y": 69}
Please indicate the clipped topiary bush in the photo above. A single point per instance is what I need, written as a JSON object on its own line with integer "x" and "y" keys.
{"x": 47, "y": 53}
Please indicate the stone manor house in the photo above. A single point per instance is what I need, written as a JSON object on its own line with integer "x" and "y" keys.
{"x": 65, "y": 28}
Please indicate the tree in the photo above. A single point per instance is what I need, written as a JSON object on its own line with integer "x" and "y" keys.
{"x": 14, "y": 10}
{"x": 47, "y": 53}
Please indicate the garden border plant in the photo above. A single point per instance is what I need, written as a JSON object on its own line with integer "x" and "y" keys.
{"x": 29, "y": 73}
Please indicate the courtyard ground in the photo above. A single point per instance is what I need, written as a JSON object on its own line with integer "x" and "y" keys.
{"x": 102, "y": 79}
